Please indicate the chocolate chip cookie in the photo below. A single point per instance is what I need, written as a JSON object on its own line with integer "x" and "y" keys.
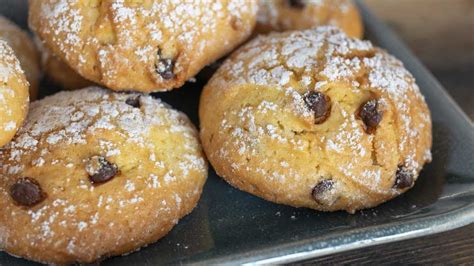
{"x": 283, "y": 15}
{"x": 13, "y": 94}
{"x": 95, "y": 173}
{"x": 143, "y": 46}
{"x": 316, "y": 119}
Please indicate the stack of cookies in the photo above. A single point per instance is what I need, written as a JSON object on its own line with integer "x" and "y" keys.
{"x": 300, "y": 115}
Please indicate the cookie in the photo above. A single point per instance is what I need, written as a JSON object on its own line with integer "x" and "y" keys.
{"x": 316, "y": 119}
{"x": 283, "y": 15}
{"x": 25, "y": 50}
{"x": 94, "y": 174}
{"x": 13, "y": 94}
{"x": 150, "y": 46}
{"x": 59, "y": 72}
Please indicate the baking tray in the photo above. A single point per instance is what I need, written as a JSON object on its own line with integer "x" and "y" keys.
{"x": 232, "y": 227}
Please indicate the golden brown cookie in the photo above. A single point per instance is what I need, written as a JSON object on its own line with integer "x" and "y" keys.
{"x": 283, "y": 15}
{"x": 316, "y": 119}
{"x": 13, "y": 94}
{"x": 59, "y": 72}
{"x": 25, "y": 50}
{"x": 144, "y": 46}
{"x": 94, "y": 174}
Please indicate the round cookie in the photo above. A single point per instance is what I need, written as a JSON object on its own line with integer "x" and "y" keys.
{"x": 25, "y": 51}
{"x": 152, "y": 46}
{"x": 94, "y": 174}
{"x": 283, "y": 15}
{"x": 315, "y": 119}
{"x": 13, "y": 94}
{"x": 59, "y": 72}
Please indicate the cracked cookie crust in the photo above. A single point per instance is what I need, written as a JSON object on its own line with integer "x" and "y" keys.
{"x": 315, "y": 119}
{"x": 141, "y": 45}
{"x": 95, "y": 173}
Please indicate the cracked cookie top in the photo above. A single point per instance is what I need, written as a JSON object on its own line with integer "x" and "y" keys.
{"x": 141, "y": 45}
{"x": 316, "y": 119}
{"x": 90, "y": 162}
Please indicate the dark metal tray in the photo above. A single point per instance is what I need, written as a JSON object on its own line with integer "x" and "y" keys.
{"x": 232, "y": 227}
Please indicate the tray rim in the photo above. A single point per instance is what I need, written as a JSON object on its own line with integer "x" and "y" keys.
{"x": 377, "y": 234}
{"x": 408, "y": 230}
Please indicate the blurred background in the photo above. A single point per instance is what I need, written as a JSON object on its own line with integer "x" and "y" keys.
{"x": 441, "y": 34}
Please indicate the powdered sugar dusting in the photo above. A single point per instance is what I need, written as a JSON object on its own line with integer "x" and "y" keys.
{"x": 131, "y": 34}
{"x": 160, "y": 169}
{"x": 286, "y": 66}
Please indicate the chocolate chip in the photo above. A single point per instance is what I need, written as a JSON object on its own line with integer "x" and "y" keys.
{"x": 299, "y": 4}
{"x": 320, "y": 190}
{"x": 133, "y": 101}
{"x": 100, "y": 170}
{"x": 236, "y": 23}
{"x": 403, "y": 178}
{"x": 164, "y": 66}
{"x": 371, "y": 115}
{"x": 27, "y": 192}
{"x": 320, "y": 104}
